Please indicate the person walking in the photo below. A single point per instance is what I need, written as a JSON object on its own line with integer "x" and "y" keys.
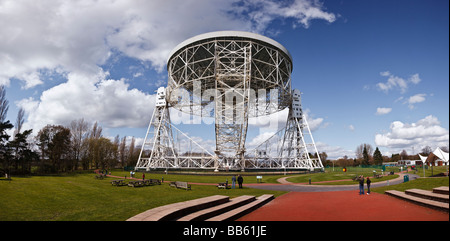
{"x": 368, "y": 185}
{"x": 233, "y": 181}
{"x": 361, "y": 185}
{"x": 143, "y": 176}
{"x": 240, "y": 181}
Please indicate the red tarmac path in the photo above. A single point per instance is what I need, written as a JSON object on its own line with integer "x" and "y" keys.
{"x": 342, "y": 206}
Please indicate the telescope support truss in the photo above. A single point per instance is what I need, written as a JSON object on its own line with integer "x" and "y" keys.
{"x": 292, "y": 147}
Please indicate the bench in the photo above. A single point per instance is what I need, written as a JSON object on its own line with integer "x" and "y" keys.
{"x": 99, "y": 176}
{"x": 223, "y": 185}
{"x": 154, "y": 181}
{"x": 118, "y": 182}
{"x": 183, "y": 185}
{"x": 136, "y": 183}
{"x": 378, "y": 176}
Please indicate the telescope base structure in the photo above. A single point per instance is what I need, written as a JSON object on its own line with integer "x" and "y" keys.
{"x": 292, "y": 147}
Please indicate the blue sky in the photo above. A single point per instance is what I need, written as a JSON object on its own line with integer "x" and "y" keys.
{"x": 371, "y": 72}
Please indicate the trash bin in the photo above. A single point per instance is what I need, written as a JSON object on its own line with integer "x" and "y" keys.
{"x": 405, "y": 178}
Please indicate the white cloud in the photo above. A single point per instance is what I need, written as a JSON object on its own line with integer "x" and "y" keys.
{"x": 415, "y": 99}
{"x": 395, "y": 82}
{"x": 424, "y": 132}
{"x": 80, "y": 35}
{"x": 74, "y": 38}
{"x": 351, "y": 127}
{"x": 334, "y": 152}
{"x": 383, "y": 110}
{"x": 92, "y": 97}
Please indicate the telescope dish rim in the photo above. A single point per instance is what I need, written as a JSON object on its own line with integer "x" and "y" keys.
{"x": 221, "y": 34}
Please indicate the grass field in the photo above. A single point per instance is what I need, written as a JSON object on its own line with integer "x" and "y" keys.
{"x": 82, "y": 197}
{"x": 339, "y": 174}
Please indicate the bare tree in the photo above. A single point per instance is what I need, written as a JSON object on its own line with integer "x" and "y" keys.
{"x": 4, "y": 104}
{"x": 122, "y": 151}
{"x": 360, "y": 150}
{"x": 426, "y": 150}
{"x": 19, "y": 122}
{"x": 79, "y": 133}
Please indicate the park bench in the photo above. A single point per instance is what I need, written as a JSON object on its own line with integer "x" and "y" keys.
{"x": 120, "y": 182}
{"x": 155, "y": 181}
{"x": 183, "y": 185}
{"x": 99, "y": 176}
{"x": 378, "y": 176}
{"x": 223, "y": 185}
{"x": 136, "y": 183}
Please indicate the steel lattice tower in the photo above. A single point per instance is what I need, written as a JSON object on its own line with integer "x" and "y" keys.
{"x": 229, "y": 76}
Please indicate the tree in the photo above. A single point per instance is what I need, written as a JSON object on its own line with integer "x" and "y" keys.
{"x": 102, "y": 152}
{"x": 426, "y": 150}
{"x": 23, "y": 155}
{"x": 404, "y": 155}
{"x": 79, "y": 134}
{"x": 5, "y": 151}
{"x": 365, "y": 157}
{"x": 19, "y": 121}
{"x": 54, "y": 144}
{"x": 377, "y": 157}
{"x": 4, "y": 104}
{"x": 123, "y": 152}
{"x": 360, "y": 149}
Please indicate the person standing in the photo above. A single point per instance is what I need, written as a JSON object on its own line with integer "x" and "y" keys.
{"x": 361, "y": 185}
{"x": 143, "y": 176}
{"x": 368, "y": 185}
{"x": 240, "y": 181}
{"x": 233, "y": 181}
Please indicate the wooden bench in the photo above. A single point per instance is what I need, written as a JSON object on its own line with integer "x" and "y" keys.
{"x": 120, "y": 182}
{"x": 136, "y": 183}
{"x": 183, "y": 185}
{"x": 99, "y": 176}
{"x": 223, "y": 185}
{"x": 155, "y": 181}
{"x": 378, "y": 176}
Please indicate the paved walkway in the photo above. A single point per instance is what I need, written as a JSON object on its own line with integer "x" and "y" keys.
{"x": 342, "y": 206}
{"x": 305, "y": 187}
{"x": 306, "y": 202}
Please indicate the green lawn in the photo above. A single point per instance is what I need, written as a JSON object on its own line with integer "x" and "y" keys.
{"x": 339, "y": 174}
{"x": 198, "y": 178}
{"x": 420, "y": 183}
{"x": 82, "y": 197}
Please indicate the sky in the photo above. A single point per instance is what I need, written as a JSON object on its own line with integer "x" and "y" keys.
{"x": 371, "y": 71}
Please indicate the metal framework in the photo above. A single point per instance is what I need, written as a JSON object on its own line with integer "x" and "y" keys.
{"x": 229, "y": 76}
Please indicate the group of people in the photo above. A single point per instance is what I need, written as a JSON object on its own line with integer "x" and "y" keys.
{"x": 361, "y": 185}
{"x": 240, "y": 180}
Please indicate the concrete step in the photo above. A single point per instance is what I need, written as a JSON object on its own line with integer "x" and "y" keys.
{"x": 421, "y": 201}
{"x": 219, "y": 209}
{"x": 245, "y": 209}
{"x": 428, "y": 195}
{"x": 176, "y": 210}
{"x": 441, "y": 190}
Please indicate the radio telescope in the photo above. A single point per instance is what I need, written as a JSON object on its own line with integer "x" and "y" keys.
{"x": 229, "y": 76}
